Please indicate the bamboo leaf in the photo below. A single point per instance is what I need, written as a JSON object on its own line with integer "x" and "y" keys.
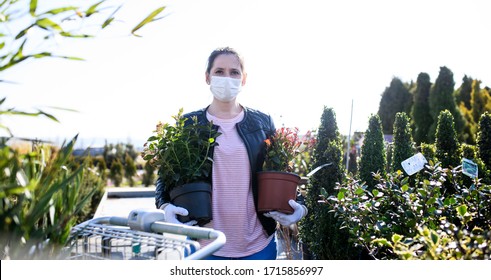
{"x": 33, "y": 7}
{"x": 23, "y": 32}
{"x": 148, "y": 19}
{"x": 47, "y": 24}
{"x": 107, "y": 22}
{"x": 70, "y": 57}
{"x": 93, "y": 9}
{"x": 63, "y": 109}
{"x": 40, "y": 55}
{"x": 70, "y": 35}
{"x": 59, "y": 10}
{"x": 110, "y": 18}
{"x": 48, "y": 116}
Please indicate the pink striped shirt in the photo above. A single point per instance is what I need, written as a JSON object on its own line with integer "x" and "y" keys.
{"x": 233, "y": 206}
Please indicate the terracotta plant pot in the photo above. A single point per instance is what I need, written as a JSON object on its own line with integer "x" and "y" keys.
{"x": 275, "y": 190}
{"x": 196, "y": 198}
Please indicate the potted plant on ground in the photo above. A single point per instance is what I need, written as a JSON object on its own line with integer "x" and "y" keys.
{"x": 277, "y": 183}
{"x": 181, "y": 153}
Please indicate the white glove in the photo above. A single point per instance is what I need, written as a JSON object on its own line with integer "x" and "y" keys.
{"x": 286, "y": 220}
{"x": 171, "y": 211}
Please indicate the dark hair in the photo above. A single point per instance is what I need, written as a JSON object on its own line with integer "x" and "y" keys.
{"x": 225, "y": 50}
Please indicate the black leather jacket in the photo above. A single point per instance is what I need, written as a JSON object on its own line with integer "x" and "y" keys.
{"x": 253, "y": 129}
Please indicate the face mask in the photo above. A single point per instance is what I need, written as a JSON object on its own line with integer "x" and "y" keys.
{"x": 225, "y": 89}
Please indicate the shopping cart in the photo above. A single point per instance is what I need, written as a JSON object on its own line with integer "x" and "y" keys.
{"x": 141, "y": 236}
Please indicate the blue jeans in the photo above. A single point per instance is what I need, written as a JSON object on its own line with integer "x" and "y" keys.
{"x": 268, "y": 253}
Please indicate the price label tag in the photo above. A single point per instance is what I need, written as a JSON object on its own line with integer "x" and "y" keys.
{"x": 414, "y": 164}
{"x": 469, "y": 168}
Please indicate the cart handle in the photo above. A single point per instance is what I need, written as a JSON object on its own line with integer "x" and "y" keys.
{"x": 194, "y": 232}
{"x": 163, "y": 227}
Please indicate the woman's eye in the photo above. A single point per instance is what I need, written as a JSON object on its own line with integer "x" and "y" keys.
{"x": 218, "y": 72}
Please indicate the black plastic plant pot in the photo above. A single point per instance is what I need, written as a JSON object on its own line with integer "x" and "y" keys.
{"x": 196, "y": 198}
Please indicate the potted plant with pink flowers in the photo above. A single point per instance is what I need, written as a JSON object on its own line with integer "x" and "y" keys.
{"x": 277, "y": 183}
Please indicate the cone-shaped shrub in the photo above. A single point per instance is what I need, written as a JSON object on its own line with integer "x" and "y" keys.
{"x": 447, "y": 145}
{"x": 320, "y": 230}
{"x": 373, "y": 157}
{"x": 403, "y": 141}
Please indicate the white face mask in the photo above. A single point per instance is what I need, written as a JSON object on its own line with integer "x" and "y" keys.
{"x": 225, "y": 89}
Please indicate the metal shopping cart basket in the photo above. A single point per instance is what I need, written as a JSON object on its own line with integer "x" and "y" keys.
{"x": 141, "y": 236}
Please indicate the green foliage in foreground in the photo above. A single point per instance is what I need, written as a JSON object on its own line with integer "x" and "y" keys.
{"x": 397, "y": 221}
{"x": 41, "y": 198}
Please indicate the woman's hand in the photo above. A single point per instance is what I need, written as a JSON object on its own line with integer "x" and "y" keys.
{"x": 171, "y": 211}
{"x": 286, "y": 220}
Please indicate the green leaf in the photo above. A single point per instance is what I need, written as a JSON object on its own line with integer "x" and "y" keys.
{"x": 93, "y": 9}
{"x": 396, "y": 238}
{"x": 48, "y": 115}
{"x": 341, "y": 195}
{"x": 107, "y": 22}
{"x": 33, "y": 7}
{"x": 359, "y": 191}
{"x": 462, "y": 210}
{"x": 70, "y": 57}
{"x": 382, "y": 241}
{"x": 324, "y": 192}
{"x": 23, "y": 32}
{"x": 148, "y": 19}
{"x": 47, "y": 24}
{"x": 434, "y": 237}
{"x": 70, "y": 35}
{"x": 110, "y": 18}
{"x": 431, "y": 201}
{"x": 59, "y": 10}
{"x": 40, "y": 55}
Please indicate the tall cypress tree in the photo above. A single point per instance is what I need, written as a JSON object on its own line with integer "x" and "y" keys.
{"x": 442, "y": 98}
{"x": 129, "y": 169}
{"x": 447, "y": 145}
{"x": 463, "y": 93}
{"x": 149, "y": 175}
{"x": 373, "y": 156}
{"x": 484, "y": 139}
{"x": 420, "y": 113}
{"x": 328, "y": 149}
{"x": 320, "y": 229}
{"x": 395, "y": 98}
{"x": 403, "y": 141}
{"x": 478, "y": 101}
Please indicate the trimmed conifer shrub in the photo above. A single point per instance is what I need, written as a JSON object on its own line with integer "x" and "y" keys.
{"x": 403, "y": 141}
{"x": 320, "y": 230}
{"x": 373, "y": 156}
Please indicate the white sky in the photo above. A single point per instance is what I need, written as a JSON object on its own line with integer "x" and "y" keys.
{"x": 300, "y": 56}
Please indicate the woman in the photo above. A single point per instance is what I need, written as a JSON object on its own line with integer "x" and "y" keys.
{"x": 236, "y": 159}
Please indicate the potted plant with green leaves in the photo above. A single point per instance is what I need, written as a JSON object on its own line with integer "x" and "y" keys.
{"x": 277, "y": 182}
{"x": 181, "y": 153}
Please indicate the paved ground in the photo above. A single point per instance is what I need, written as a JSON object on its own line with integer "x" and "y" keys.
{"x": 120, "y": 201}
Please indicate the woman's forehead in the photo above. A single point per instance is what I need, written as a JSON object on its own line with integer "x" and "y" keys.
{"x": 226, "y": 60}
